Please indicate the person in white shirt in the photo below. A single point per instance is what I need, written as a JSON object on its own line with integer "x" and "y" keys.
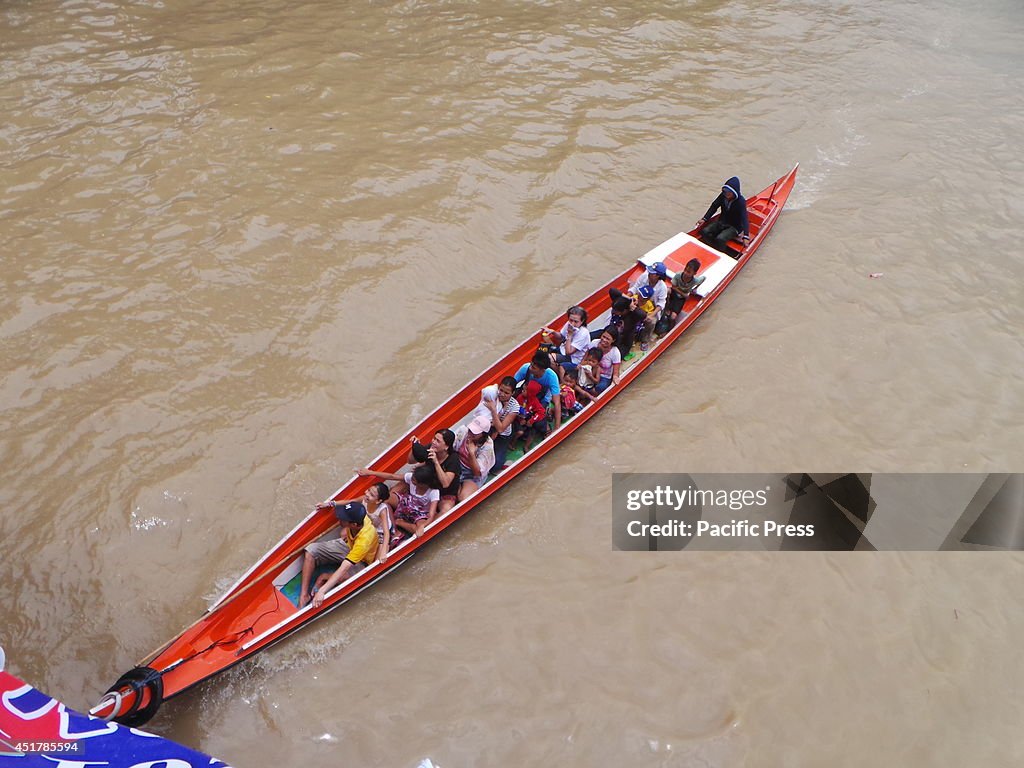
{"x": 572, "y": 340}
{"x": 655, "y": 277}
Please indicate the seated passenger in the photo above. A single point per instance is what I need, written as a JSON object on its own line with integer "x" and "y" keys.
{"x": 420, "y": 454}
{"x": 611, "y": 359}
{"x": 590, "y": 371}
{"x": 573, "y": 395}
{"x": 375, "y": 502}
{"x": 355, "y": 549}
{"x": 572, "y": 340}
{"x": 683, "y": 284}
{"x": 475, "y": 449}
{"x": 654, "y": 279}
{"x": 503, "y": 415}
{"x": 733, "y": 224}
{"x": 442, "y": 458}
{"x": 415, "y": 509}
{"x": 533, "y": 418}
{"x": 539, "y": 370}
{"x": 645, "y": 300}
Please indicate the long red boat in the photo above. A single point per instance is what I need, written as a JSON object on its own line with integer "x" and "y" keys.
{"x": 262, "y": 608}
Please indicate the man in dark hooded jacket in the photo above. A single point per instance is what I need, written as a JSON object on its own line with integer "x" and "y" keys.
{"x": 732, "y": 224}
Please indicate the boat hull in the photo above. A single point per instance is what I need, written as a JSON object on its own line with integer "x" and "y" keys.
{"x": 255, "y": 612}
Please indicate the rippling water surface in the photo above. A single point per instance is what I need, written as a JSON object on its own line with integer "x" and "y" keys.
{"x": 245, "y": 244}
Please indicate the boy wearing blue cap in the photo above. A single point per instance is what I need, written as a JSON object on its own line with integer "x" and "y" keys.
{"x": 645, "y": 300}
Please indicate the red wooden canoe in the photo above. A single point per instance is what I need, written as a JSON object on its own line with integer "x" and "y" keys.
{"x": 261, "y": 607}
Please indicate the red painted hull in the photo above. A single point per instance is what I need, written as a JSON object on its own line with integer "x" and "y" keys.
{"x": 255, "y": 613}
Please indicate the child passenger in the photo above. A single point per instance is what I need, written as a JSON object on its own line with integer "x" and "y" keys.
{"x": 571, "y": 393}
{"x": 415, "y": 509}
{"x": 645, "y": 299}
{"x": 583, "y": 397}
{"x": 682, "y": 285}
{"x": 611, "y": 359}
{"x": 539, "y": 370}
{"x": 590, "y": 371}
{"x": 533, "y": 417}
